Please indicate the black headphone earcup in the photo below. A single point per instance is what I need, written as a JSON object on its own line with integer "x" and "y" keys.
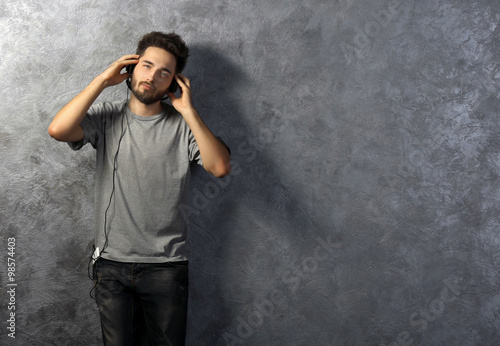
{"x": 130, "y": 70}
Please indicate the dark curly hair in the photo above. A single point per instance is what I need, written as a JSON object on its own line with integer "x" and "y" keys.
{"x": 171, "y": 42}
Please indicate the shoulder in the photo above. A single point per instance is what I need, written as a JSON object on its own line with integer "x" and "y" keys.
{"x": 104, "y": 112}
{"x": 175, "y": 120}
{"x": 107, "y": 108}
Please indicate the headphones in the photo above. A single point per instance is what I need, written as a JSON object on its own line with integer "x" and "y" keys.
{"x": 130, "y": 69}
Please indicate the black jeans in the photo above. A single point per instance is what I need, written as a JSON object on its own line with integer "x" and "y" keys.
{"x": 142, "y": 303}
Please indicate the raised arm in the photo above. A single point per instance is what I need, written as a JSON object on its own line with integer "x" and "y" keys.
{"x": 215, "y": 156}
{"x": 66, "y": 124}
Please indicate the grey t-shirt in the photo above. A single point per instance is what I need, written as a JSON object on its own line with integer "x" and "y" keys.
{"x": 136, "y": 212}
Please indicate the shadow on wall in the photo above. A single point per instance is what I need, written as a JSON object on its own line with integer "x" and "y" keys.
{"x": 245, "y": 229}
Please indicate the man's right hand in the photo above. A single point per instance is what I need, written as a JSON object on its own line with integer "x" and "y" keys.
{"x": 66, "y": 124}
{"x": 113, "y": 74}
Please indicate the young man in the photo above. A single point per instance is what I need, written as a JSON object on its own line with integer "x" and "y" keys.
{"x": 144, "y": 148}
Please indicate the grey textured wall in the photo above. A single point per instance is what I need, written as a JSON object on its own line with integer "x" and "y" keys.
{"x": 363, "y": 205}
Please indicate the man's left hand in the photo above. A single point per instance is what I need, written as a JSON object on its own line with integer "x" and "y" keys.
{"x": 184, "y": 103}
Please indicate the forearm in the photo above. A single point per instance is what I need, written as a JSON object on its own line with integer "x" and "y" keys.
{"x": 214, "y": 154}
{"x": 66, "y": 124}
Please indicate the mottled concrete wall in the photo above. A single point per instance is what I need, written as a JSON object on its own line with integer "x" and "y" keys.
{"x": 363, "y": 205}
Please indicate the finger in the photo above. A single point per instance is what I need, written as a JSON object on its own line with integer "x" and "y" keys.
{"x": 129, "y": 57}
{"x": 184, "y": 79}
{"x": 129, "y": 62}
{"x": 183, "y": 87}
{"x": 124, "y": 63}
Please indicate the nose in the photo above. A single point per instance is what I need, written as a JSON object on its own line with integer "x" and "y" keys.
{"x": 150, "y": 75}
{"x": 153, "y": 75}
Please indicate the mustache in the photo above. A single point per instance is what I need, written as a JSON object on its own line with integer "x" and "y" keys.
{"x": 149, "y": 84}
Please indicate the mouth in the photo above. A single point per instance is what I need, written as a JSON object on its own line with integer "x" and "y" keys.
{"x": 146, "y": 86}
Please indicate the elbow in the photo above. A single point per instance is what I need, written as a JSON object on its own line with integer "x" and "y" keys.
{"x": 63, "y": 135}
{"x": 220, "y": 170}
{"x": 224, "y": 171}
{"x": 56, "y": 133}
{"x": 53, "y": 131}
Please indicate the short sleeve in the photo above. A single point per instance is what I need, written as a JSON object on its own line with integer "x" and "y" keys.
{"x": 194, "y": 151}
{"x": 92, "y": 125}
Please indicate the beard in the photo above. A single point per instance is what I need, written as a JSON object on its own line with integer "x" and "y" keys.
{"x": 147, "y": 96}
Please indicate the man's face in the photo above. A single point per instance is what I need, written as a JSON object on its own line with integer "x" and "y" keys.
{"x": 153, "y": 74}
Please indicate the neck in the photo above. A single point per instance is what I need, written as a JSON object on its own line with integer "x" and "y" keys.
{"x": 142, "y": 109}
